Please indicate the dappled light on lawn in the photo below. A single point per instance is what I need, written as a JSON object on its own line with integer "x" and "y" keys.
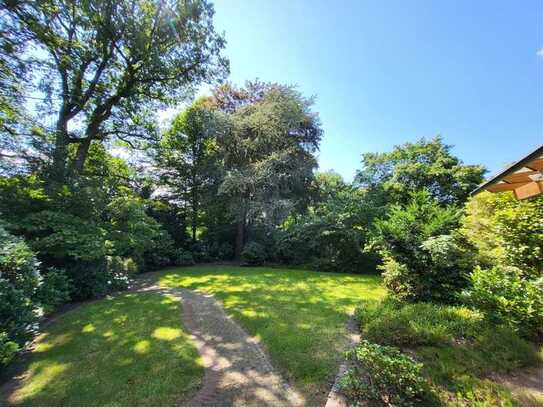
{"x": 123, "y": 351}
{"x": 299, "y": 316}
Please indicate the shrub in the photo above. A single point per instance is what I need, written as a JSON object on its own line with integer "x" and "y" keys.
{"x": 18, "y": 263}
{"x": 423, "y": 260}
{"x": 18, "y": 316}
{"x": 94, "y": 280}
{"x": 253, "y": 254}
{"x": 384, "y": 374}
{"x": 8, "y": 349}
{"x": 117, "y": 264}
{"x": 184, "y": 258}
{"x": 54, "y": 290}
{"x": 506, "y": 231}
{"x": 506, "y": 297}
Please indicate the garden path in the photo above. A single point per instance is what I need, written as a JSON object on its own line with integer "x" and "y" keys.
{"x": 237, "y": 370}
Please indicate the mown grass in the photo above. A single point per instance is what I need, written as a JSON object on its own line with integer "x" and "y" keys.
{"x": 299, "y": 316}
{"x": 126, "y": 351}
{"x": 461, "y": 352}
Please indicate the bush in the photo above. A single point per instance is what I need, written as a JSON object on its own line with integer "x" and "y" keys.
{"x": 383, "y": 374}
{"x": 253, "y": 254}
{"x": 94, "y": 280}
{"x": 117, "y": 264}
{"x": 18, "y": 316}
{"x": 423, "y": 260}
{"x": 8, "y": 349}
{"x": 506, "y": 231}
{"x": 507, "y": 298}
{"x": 184, "y": 258}
{"x": 18, "y": 263}
{"x": 54, "y": 290}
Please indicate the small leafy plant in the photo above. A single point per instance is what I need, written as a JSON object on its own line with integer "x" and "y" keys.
{"x": 507, "y": 298}
{"x": 384, "y": 375}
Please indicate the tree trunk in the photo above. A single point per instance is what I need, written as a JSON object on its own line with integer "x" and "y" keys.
{"x": 57, "y": 175}
{"x": 81, "y": 155}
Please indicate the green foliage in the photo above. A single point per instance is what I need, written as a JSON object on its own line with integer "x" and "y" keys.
{"x": 92, "y": 279}
{"x": 424, "y": 165}
{"x": 334, "y": 232}
{"x": 423, "y": 260}
{"x": 54, "y": 290}
{"x": 8, "y": 349}
{"x": 18, "y": 316}
{"x": 254, "y": 254}
{"x": 183, "y": 258}
{"x": 507, "y": 298}
{"x": 18, "y": 264}
{"x": 385, "y": 375}
{"x": 410, "y": 325}
{"x": 459, "y": 347}
{"x": 506, "y": 231}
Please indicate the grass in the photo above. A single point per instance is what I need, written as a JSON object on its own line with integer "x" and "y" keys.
{"x": 125, "y": 351}
{"x": 461, "y": 351}
{"x": 300, "y": 316}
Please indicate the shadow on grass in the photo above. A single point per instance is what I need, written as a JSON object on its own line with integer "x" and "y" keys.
{"x": 129, "y": 350}
{"x": 300, "y": 316}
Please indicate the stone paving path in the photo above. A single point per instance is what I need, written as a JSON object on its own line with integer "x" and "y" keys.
{"x": 237, "y": 371}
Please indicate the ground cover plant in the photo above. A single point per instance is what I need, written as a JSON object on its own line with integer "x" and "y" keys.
{"x": 459, "y": 349}
{"x": 299, "y": 316}
{"x": 127, "y": 350}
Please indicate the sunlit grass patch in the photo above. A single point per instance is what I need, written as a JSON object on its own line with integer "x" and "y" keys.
{"x": 299, "y": 316}
{"x": 460, "y": 350}
{"x": 129, "y": 350}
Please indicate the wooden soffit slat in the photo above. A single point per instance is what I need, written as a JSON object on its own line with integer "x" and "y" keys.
{"x": 529, "y": 190}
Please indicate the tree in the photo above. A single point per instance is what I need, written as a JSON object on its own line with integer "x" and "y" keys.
{"x": 189, "y": 158}
{"x": 424, "y": 165}
{"x": 104, "y": 66}
{"x": 268, "y": 156}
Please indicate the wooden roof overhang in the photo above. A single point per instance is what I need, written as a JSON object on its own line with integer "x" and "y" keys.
{"x": 524, "y": 178}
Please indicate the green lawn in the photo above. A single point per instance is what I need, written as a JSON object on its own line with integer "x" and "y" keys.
{"x": 300, "y": 316}
{"x": 126, "y": 351}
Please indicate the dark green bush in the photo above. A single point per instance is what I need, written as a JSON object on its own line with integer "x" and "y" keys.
{"x": 183, "y": 258}
{"x": 94, "y": 280}
{"x": 424, "y": 261}
{"x": 18, "y": 318}
{"x": 54, "y": 290}
{"x": 507, "y": 298}
{"x": 8, "y": 349}
{"x": 384, "y": 375}
{"x": 253, "y": 254}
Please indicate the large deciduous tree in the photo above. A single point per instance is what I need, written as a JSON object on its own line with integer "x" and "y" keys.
{"x": 104, "y": 66}
{"x": 268, "y": 154}
{"x": 423, "y": 165}
{"x": 189, "y": 158}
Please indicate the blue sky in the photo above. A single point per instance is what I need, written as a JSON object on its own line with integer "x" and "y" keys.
{"x": 387, "y": 72}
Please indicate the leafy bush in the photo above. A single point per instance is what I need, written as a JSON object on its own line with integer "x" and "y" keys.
{"x": 54, "y": 290}
{"x": 184, "y": 258}
{"x": 423, "y": 260}
{"x": 18, "y": 316}
{"x": 506, "y": 231}
{"x": 506, "y": 297}
{"x": 221, "y": 251}
{"x": 8, "y": 349}
{"x": 253, "y": 254}
{"x": 18, "y": 263}
{"x": 383, "y": 374}
{"x": 94, "y": 280}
